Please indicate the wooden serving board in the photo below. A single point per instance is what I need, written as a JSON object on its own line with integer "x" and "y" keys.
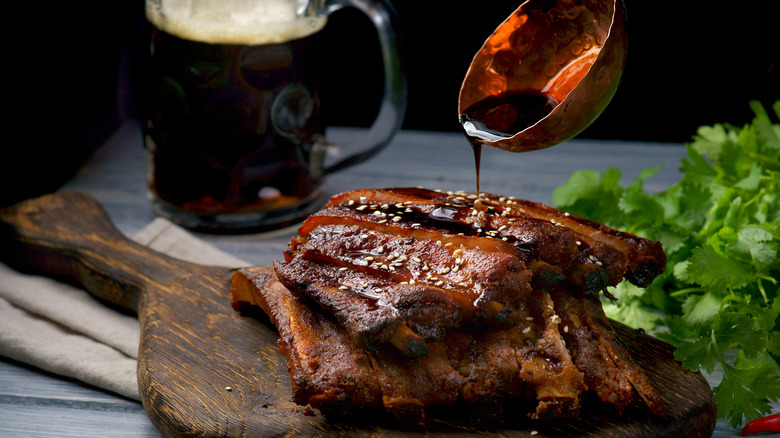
{"x": 204, "y": 370}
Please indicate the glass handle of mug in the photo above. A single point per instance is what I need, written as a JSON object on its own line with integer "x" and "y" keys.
{"x": 393, "y": 105}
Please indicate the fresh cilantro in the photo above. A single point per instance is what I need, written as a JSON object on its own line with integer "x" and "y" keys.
{"x": 718, "y": 301}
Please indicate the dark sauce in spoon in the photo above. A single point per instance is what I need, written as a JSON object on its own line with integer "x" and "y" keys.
{"x": 502, "y": 116}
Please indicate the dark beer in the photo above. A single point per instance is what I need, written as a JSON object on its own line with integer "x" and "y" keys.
{"x": 233, "y": 132}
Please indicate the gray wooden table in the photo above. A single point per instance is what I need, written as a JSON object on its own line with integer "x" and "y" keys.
{"x": 36, "y": 404}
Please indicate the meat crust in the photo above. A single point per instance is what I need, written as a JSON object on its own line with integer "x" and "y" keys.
{"x": 405, "y": 299}
{"x": 599, "y": 354}
{"x": 479, "y": 369}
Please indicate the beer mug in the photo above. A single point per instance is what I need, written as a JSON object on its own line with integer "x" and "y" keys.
{"x": 232, "y": 126}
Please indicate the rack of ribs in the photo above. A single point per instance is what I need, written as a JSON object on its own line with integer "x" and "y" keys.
{"x": 406, "y": 299}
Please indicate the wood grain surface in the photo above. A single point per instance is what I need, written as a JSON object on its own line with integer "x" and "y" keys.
{"x": 206, "y": 371}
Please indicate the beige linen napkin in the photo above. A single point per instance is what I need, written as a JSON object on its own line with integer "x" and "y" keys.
{"x": 63, "y": 330}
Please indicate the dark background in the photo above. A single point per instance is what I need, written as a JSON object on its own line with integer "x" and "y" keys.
{"x": 72, "y": 83}
{"x": 689, "y": 63}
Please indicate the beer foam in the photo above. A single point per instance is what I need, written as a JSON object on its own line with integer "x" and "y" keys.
{"x": 249, "y": 22}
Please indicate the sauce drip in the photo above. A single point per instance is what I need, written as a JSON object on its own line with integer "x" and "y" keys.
{"x": 476, "y": 146}
{"x": 502, "y": 116}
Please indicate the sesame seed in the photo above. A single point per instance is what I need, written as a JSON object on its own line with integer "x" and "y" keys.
{"x": 425, "y": 268}
{"x": 351, "y": 202}
{"x": 458, "y": 261}
{"x": 408, "y": 210}
{"x": 382, "y": 221}
{"x": 412, "y": 282}
{"x": 566, "y": 329}
{"x": 362, "y": 207}
{"x": 368, "y": 259}
{"x": 502, "y": 228}
{"x": 416, "y": 260}
{"x": 529, "y": 318}
{"x": 385, "y": 206}
{"x": 404, "y": 283}
{"x": 228, "y": 388}
{"x": 343, "y": 287}
{"x": 343, "y": 268}
{"x": 362, "y": 198}
{"x": 439, "y": 283}
{"x": 397, "y": 219}
{"x": 456, "y": 269}
{"x": 444, "y": 270}
{"x": 533, "y": 432}
{"x": 579, "y": 243}
{"x": 463, "y": 284}
{"x": 380, "y": 250}
{"x": 377, "y": 290}
{"x": 504, "y": 239}
{"x": 415, "y": 225}
{"x": 566, "y": 214}
{"x": 448, "y": 244}
{"x": 438, "y": 243}
{"x": 363, "y": 284}
{"x": 526, "y": 330}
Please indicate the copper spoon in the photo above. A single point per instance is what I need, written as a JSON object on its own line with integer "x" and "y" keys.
{"x": 560, "y": 59}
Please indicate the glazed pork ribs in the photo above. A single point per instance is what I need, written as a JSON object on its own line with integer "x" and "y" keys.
{"x": 408, "y": 299}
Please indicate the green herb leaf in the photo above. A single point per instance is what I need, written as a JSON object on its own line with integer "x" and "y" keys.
{"x": 719, "y": 301}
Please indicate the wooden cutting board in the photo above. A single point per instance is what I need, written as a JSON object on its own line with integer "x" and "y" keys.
{"x": 204, "y": 370}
